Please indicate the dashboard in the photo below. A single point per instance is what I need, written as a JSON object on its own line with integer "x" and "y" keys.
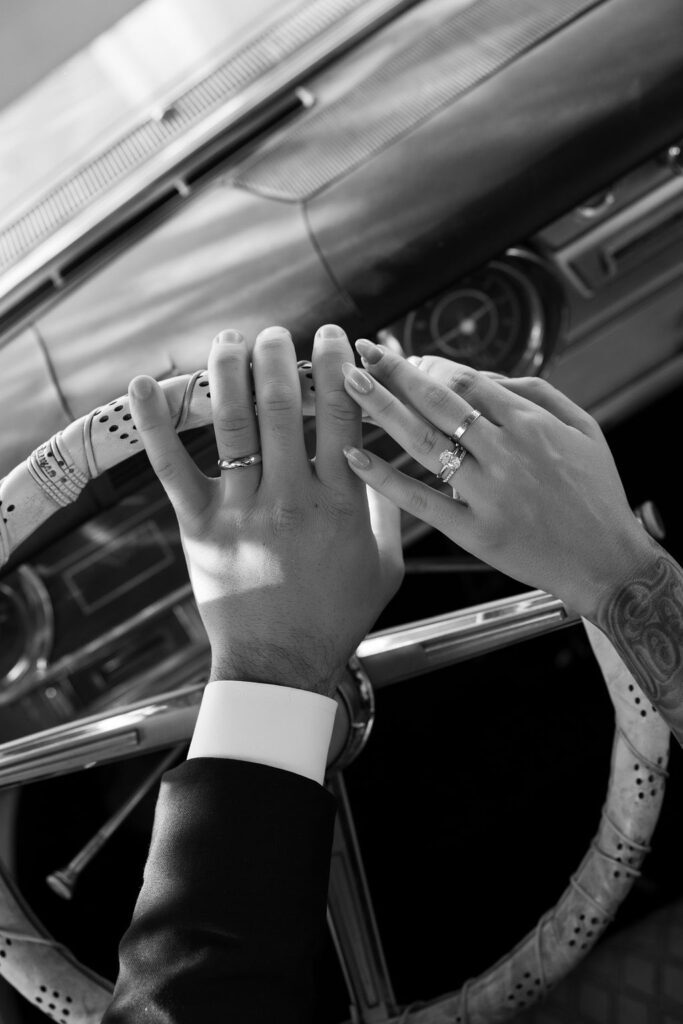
{"x": 593, "y": 301}
{"x": 103, "y": 614}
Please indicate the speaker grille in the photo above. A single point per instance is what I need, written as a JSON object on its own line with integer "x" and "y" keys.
{"x": 451, "y": 57}
{"x": 240, "y": 69}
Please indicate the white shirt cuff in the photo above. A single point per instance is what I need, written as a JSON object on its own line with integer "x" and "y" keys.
{"x": 276, "y": 725}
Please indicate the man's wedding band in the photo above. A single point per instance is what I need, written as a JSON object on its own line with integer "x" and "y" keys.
{"x": 466, "y": 424}
{"x": 246, "y": 460}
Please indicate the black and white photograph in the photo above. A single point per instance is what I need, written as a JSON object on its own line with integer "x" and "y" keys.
{"x": 341, "y": 514}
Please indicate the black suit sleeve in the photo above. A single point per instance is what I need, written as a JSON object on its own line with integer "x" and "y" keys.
{"x": 231, "y": 916}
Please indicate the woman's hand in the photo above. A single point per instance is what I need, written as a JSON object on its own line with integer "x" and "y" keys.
{"x": 289, "y": 561}
{"x": 538, "y": 494}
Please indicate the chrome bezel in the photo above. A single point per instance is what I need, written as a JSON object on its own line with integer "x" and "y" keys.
{"x": 35, "y": 607}
{"x": 538, "y": 344}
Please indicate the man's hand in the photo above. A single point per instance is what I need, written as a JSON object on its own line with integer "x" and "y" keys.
{"x": 290, "y": 561}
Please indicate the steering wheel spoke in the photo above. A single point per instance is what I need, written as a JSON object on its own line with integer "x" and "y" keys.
{"x": 351, "y": 920}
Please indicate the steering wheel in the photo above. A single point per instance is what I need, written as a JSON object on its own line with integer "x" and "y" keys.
{"x": 51, "y": 978}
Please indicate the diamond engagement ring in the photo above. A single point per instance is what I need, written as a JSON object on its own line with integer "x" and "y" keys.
{"x": 466, "y": 424}
{"x": 451, "y": 460}
{"x": 246, "y": 460}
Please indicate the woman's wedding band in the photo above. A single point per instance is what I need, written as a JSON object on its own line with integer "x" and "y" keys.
{"x": 466, "y": 424}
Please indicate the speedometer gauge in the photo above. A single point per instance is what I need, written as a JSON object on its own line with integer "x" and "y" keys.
{"x": 493, "y": 319}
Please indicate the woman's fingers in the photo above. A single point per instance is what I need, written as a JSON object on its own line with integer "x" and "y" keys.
{"x": 450, "y": 517}
{"x": 444, "y": 397}
{"x": 418, "y": 437}
{"x": 278, "y": 400}
{"x": 186, "y": 486}
{"x": 338, "y": 419}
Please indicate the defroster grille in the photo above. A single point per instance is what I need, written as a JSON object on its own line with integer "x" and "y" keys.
{"x": 245, "y": 65}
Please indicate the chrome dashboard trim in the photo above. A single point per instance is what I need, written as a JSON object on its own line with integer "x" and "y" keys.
{"x": 396, "y": 654}
{"x": 81, "y": 657}
{"x": 668, "y": 195}
{"x": 38, "y": 616}
{"x": 385, "y": 657}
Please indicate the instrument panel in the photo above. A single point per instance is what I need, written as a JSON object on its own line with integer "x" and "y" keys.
{"x": 505, "y": 317}
{"x": 100, "y": 617}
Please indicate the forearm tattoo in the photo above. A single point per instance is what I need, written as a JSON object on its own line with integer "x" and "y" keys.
{"x": 644, "y": 621}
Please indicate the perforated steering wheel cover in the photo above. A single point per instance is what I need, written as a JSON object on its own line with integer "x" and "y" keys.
{"x": 565, "y": 933}
{"x": 54, "y": 475}
{"x": 41, "y": 969}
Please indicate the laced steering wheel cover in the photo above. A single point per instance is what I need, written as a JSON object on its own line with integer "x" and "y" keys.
{"x": 47, "y": 974}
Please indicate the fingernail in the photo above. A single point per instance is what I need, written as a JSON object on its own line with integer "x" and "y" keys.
{"x": 357, "y": 458}
{"x": 368, "y": 351}
{"x": 142, "y": 387}
{"x": 228, "y": 337}
{"x": 273, "y": 332}
{"x": 414, "y": 360}
{"x": 328, "y": 332}
{"x": 358, "y": 379}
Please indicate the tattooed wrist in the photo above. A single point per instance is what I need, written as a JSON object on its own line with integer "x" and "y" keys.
{"x": 644, "y": 620}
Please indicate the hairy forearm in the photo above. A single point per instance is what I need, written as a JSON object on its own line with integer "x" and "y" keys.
{"x": 644, "y": 620}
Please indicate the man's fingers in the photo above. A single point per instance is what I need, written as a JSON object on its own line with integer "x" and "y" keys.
{"x": 232, "y": 402}
{"x": 278, "y": 399}
{"x": 234, "y": 416}
{"x": 338, "y": 418}
{"x": 534, "y": 390}
{"x": 545, "y": 396}
{"x": 186, "y": 486}
{"x": 450, "y": 517}
{"x": 441, "y": 388}
{"x": 491, "y": 374}
{"x": 385, "y": 519}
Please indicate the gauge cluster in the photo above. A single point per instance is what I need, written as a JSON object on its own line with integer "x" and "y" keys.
{"x": 505, "y": 317}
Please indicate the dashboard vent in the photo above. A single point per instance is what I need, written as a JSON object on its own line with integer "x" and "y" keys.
{"x": 642, "y": 232}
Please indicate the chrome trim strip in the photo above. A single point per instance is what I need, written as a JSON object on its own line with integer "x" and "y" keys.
{"x": 167, "y": 720}
{"x": 386, "y": 657}
{"x": 395, "y": 654}
{"x": 36, "y": 607}
{"x": 599, "y": 237}
{"x": 89, "y": 652}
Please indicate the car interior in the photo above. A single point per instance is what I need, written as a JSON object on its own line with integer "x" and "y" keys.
{"x": 499, "y": 182}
